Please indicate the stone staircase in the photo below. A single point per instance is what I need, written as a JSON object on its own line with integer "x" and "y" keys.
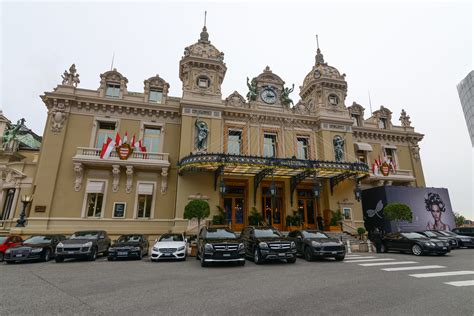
{"x": 344, "y": 236}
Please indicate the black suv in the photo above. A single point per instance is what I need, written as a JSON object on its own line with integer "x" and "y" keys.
{"x": 83, "y": 244}
{"x": 219, "y": 245}
{"x": 267, "y": 243}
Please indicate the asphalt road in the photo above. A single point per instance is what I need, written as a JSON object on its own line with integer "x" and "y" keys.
{"x": 184, "y": 288}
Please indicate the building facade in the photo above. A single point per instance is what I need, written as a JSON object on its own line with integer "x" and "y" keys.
{"x": 260, "y": 153}
{"x": 466, "y": 95}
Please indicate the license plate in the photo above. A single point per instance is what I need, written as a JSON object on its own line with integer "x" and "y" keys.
{"x": 167, "y": 254}
{"x": 334, "y": 252}
{"x": 281, "y": 254}
{"x": 226, "y": 255}
{"x": 20, "y": 255}
{"x": 122, "y": 253}
{"x": 70, "y": 252}
{"x": 444, "y": 247}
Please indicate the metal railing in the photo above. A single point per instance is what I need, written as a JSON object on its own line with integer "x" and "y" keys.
{"x": 95, "y": 153}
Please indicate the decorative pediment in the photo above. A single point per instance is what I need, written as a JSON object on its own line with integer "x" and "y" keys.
{"x": 156, "y": 82}
{"x": 383, "y": 112}
{"x": 268, "y": 77}
{"x": 113, "y": 76}
{"x": 10, "y": 176}
{"x": 235, "y": 99}
{"x": 356, "y": 109}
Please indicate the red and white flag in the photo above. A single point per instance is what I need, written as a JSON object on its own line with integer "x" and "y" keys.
{"x": 125, "y": 138}
{"x": 107, "y": 148}
{"x": 118, "y": 140}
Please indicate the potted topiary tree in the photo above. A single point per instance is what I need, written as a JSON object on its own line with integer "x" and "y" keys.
{"x": 361, "y": 232}
{"x": 397, "y": 212}
{"x": 198, "y": 209}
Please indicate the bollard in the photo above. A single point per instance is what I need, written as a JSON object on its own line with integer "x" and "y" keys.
{"x": 349, "y": 251}
{"x": 369, "y": 245}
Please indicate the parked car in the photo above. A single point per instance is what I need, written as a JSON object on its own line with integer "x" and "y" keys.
{"x": 219, "y": 245}
{"x": 129, "y": 246}
{"x": 463, "y": 241}
{"x": 7, "y": 242}
{"x": 312, "y": 244}
{"x": 40, "y": 247}
{"x": 170, "y": 246}
{"x": 83, "y": 244}
{"x": 267, "y": 243}
{"x": 453, "y": 243}
{"x": 416, "y": 243}
{"x": 466, "y": 231}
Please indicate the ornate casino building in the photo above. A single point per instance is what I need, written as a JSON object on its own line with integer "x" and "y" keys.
{"x": 129, "y": 161}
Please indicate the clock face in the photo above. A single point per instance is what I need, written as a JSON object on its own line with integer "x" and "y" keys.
{"x": 268, "y": 96}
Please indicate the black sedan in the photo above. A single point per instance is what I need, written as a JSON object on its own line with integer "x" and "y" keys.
{"x": 463, "y": 241}
{"x": 453, "y": 243}
{"x": 129, "y": 246}
{"x": 415, "y": 243}
{"x": 314, "y": 244}
{"x": 39, "y": 247}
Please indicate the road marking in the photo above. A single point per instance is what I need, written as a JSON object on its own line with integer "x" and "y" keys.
{"x": 357, "y": 258}
{"x": 352, "y": 256}
{"x": 461, "y": 283}
{"x": 413, "y": 268}
{"x": 386, "y": 263}
{"x": 368, "y": 260}
{"x": 439, "y": 274}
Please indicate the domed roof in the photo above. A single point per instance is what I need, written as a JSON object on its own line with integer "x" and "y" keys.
{"x": 322, "y": 70}
{"x": 203, "y": 48}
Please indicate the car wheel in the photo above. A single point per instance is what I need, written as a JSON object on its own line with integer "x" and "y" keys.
{"x": 308, "y": 254}
{"x": 59, "y": 259}
{"x": 384, "y": 248}
{"x": 1, "y": 256}
{"x": 46, "y": 255}
{"x": 416, "y": 250}
{"x": 257, "y": 257}
{"x": 93, "y": 254}
{"x": 339, "y": 258}
{"x": 292, "y": 260}
{"x": 203, "y": 262}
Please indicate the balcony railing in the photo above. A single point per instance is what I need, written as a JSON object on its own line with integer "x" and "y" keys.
{"x": 92, "y": 156}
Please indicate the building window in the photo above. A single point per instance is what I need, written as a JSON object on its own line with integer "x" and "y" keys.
{"x": 151, "y": 139}
{"x": 390, "y": 154}
{"x": 119, "y": 210}
{"x": 144, "y": 200}
{"x": 95, "y": 198}
{"x": 346, "y": 212}
{"x": 113, "y": 90}
{"x": 7, "y": 205}
{"x": 203, "y": 82}
{"x": 356, "y": 120}
{"x": 333, "y": 99}
{"x": 234, "y": 142}
{"x": 156, "y": 96}
{"x": 382, "y": 123}
{"x": 269, "y": 145}
{"x": 106, "y": 129}
{"x": 362, "y": 156}
{"x": 302, "y": 144}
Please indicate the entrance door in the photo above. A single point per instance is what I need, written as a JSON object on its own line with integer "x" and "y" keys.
{"x": 273, "y": 209}
{"x": 307, "y": 208}
{"x": 234, "y": 207}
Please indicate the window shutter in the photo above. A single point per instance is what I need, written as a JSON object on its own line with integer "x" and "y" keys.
{"x": 95, "y": 187}
{"x": 145, "y": 188}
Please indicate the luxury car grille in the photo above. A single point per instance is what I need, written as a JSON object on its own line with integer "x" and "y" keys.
{"x": 167, "y": 250}
{"x": 20, "y": 252}
{"x": 230, "y": 247}
{"x": 72, "y": 249}
{"x": 278, "y": 246}
{"x": 332, "y": 248}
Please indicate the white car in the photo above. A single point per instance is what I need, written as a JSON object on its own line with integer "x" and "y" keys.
{"x": 170, "y": 246}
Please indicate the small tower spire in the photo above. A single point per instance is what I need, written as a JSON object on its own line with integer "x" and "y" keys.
{"x": 319, "y": 55}
{"x": 204, "y": 38}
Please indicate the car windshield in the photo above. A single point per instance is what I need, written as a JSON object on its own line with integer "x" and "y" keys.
{"x": 267, "y": 232}
{"x": 313, "y": 234}
{"x": 172, "y": 237}
{"x": 2, "y": 239}
{"x": 447, "y": 234}
{"x": 431, "y": 234}
{"x": 38, "y": 240}
{"x": 413, "y": 235}
{"x": 84, "y": 235}
{"x": 220, "y": 233}
{"x": 129, "y": 238}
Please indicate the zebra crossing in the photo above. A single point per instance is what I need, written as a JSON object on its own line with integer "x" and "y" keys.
{"x": 408, "y": 266}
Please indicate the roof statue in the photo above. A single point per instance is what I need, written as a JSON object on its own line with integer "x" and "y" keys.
{"x": 71, "y": 78}
{"x": 405, "y": 119}
{"x": 9, "y": 139}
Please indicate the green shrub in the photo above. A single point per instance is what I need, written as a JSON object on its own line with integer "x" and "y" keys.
{"x": 336, "y": 218}
{"x": 361, "y": 232}
{"x": 255, "y": 218}
{"x": 198, "y": 209}
{"x": 219, "y": 219}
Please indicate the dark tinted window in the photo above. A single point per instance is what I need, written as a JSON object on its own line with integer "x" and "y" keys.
{"x": 413, "y": 235}
{"x": 130, "y": 238}
{"x": 292, "y": 234}
{"x": 313, "y": 234}
{"x": 267, "y": 232}
{"x": 38, "y": 240}
{"x": 220, "y": 233}
{"x": 431, "y": 234}
{"x": 85, "y": 235}
{"x": 171, "y": 237}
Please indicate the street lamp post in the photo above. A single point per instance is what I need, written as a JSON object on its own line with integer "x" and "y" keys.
{"x": 25, "y": 199}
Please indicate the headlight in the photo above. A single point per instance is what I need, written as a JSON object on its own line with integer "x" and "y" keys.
{"x": 60, "y": 245}
{"x": 208, "y": 248}
{"x": 37, "y": 250}
{"x": 111, "y": 249}
{"x": 241, "y": 246}
{"x": 155, "y": 249}
{"x": 88, "y": 244}
{"x": 466, "y": 240}
{"x": 181, "y": 248}
{"x": 430, "y": 244}
{"x": 315, "y": 243}
{"x": 293, "y": 245}
{"x": 263, "y": 245}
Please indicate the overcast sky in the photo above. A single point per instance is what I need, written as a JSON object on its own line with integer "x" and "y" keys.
{"x": 410, "y": 55}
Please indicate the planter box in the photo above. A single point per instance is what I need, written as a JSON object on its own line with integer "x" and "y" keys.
{"x": 335, "y": 228}
{"x": 193, "y": 250}
{"x": 363, "y": 247}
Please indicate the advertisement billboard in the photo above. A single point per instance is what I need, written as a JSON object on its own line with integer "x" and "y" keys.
{"x": 431, "y": 208}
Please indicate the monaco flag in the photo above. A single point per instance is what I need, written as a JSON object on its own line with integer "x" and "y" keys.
{"x": 107, "y": 148}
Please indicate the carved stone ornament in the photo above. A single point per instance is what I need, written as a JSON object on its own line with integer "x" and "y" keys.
{"x": 79, "y": 171}
{"x": 58, "y": 117}
{"x": 236, "y": 100}
{"x": 156, "y": 82}
{"x": 129, "y": 184}
{"x": 338, "y": 143}
{"x": 71, "y": 78}
{"x": 415, "y": 149}
{"x": 116, "y": 178}
{"x": 164, "y": 180}
{"x": 405, "y": 119}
